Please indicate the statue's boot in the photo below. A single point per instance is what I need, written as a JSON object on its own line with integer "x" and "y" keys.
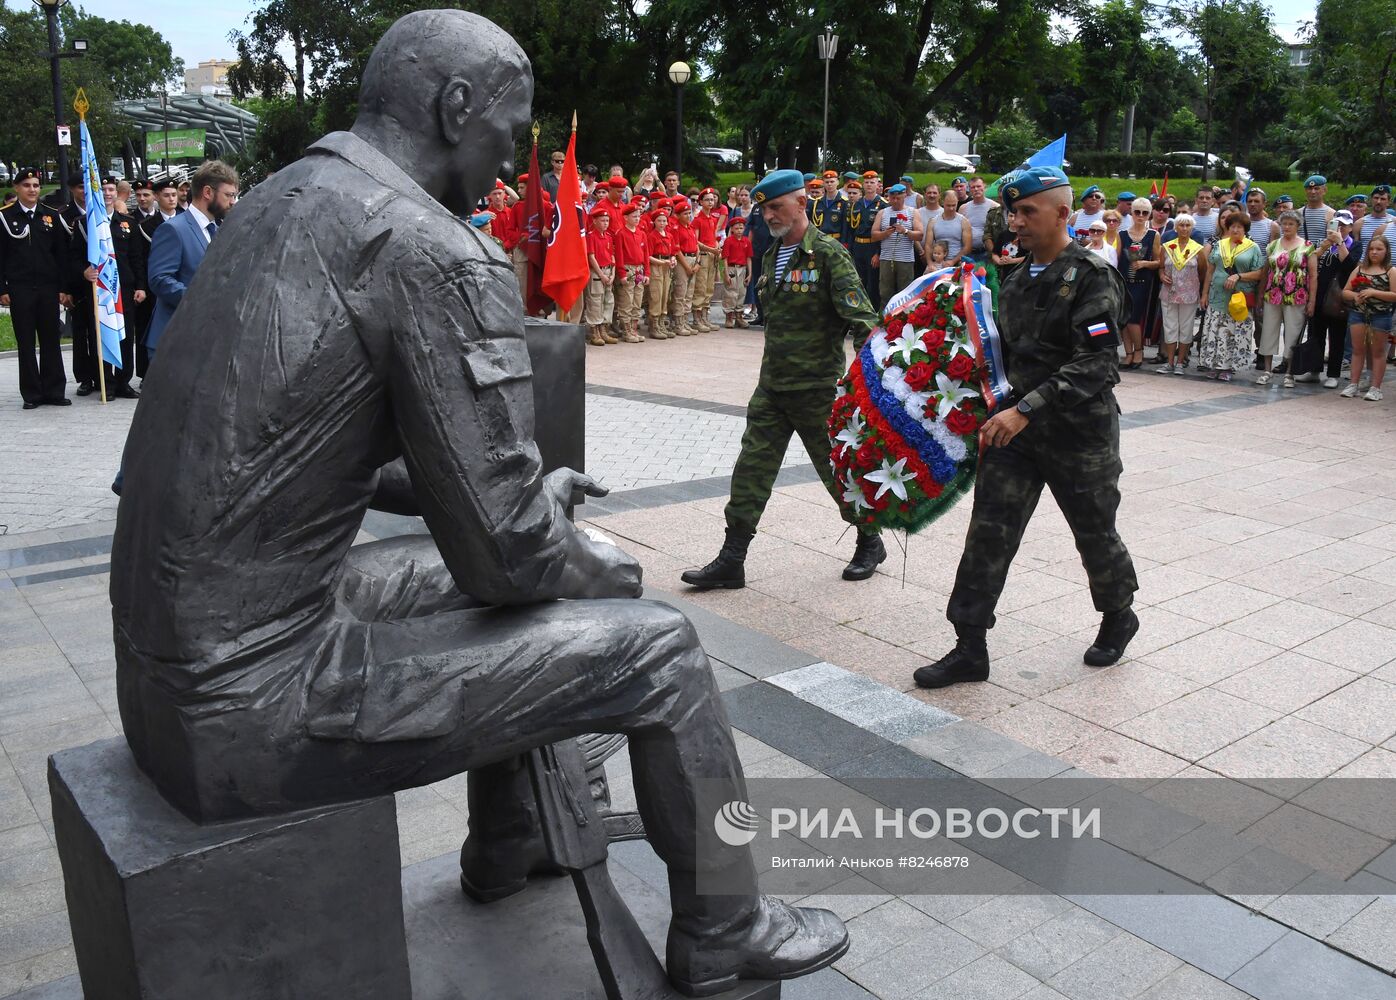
{"x": 505, "y": 844}
{"x": 716, "y": 940}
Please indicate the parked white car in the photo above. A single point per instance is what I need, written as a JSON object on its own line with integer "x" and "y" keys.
{"x": 1190, "y": 161}
{"x": 721, "y": 156}
{"x": 941, "y": 160}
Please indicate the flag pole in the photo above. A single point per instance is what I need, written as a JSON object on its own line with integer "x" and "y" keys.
{"x": 80, "y": 105}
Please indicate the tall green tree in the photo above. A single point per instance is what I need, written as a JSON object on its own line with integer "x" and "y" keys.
{"x": 1113, "y": 60}
{"x": 135, "y": 58}
{"x": 27, "y": 134}
{"x": 1349, "y": 90}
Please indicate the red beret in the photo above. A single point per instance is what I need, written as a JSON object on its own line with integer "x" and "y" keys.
{"x": 832, "y": 174}
{"x": 711, "y": 191}
{"x": 498, "y": 184}
{"x": 658, "y": 213}
{"x": 633, "y": 206}
{"x": 521, "y": 178}
{"x": 618, "y": 182}
{"x": 738, "y": 221}
{"x": 681, "y": 204}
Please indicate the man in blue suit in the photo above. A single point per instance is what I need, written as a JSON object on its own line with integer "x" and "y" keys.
{"x": 177, "y": 248}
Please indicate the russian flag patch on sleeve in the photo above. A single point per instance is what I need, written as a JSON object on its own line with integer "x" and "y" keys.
{"x": 1098, "y": 330}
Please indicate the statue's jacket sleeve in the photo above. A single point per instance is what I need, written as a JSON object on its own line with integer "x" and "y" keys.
{"x": 459, "y": 381}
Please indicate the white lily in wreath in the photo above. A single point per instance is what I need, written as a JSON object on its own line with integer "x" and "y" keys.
{"x": 957, "y": 342}
{"x": 853, "y": 493}
{"x": 909, "y": 341}
{"x": 949, "y": 394}
{"x": 850, "y": 436}
{"x": 892, "y": 477}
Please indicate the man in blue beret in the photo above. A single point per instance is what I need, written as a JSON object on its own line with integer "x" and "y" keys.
{"x": 812, "y": 299}
{"x": 1124, "y": 201}
{"x": 1060, "y": 320}
{"x": 1315, "y": 215}
{"x": 1092, "y": 210}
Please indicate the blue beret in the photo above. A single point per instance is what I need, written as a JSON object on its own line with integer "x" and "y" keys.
{"x": 775, "y": 184}
{"x": 908, "y": 178}
{"x": 958, "y": 180}
{"x": 1381, "y": 189}
{"x": 1126, "y": 196}
{"x": 1314, "y": 180}
{"x": 1356, "y": 197}
{"x": 1093, "y": 189}
{"x": 1031, "y": 181}
{"x": 897, "y": 189}
{"x": 481, "y": 219}
{"x": 1282, "y": 199}
{"x": 852, "y": 175}
{"x": 807, "y": 177}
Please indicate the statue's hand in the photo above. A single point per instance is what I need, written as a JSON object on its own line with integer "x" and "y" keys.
{"x": 570, "y": 488}
{"x": 619, "y": 574}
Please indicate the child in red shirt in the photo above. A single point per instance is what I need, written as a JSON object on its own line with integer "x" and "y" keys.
{"x": 736, "y": 270}
{"x": 601, "y": 260}
{"x": 632, "y": 272}
{"x": 685, "y": 267}
{"x": 661, "y": 247}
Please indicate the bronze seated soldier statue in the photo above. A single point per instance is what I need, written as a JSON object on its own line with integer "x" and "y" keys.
{"x": 349, "y": 344}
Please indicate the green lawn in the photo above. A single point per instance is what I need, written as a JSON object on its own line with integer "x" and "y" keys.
{"x": 7, "y": 333}
{"x": 1185, "y": 188}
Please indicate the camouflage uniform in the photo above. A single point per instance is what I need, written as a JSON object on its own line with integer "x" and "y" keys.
{"x": 1071, "y": 442}
{"x": 817, "y": 303}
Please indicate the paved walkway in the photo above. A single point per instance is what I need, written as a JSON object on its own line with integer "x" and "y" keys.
{"x": 1261, "y": 522}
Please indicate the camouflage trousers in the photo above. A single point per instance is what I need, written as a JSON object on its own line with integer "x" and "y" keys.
{"x": 771, "y": 417}
{"x": 1080, "y": 464}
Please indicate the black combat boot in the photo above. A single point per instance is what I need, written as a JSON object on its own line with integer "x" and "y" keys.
{"x": 869, "y": 554}
{"x": 968, "y": 661}
{"x": 1116, "y": 629}
{"x": 726, "y": 571}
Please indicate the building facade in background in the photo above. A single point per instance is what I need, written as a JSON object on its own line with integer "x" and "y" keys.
{"x": 210, "y": 77}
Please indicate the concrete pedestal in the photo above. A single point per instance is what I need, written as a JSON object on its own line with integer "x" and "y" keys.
{"x": 299, "y": 906}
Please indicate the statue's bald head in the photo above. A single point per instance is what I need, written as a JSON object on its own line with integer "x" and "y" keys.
{"x": 425, "y": 49}
{"x": 443, "y": 93}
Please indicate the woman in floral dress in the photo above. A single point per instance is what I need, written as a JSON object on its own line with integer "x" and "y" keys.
{"x": 1291, "y": 279}
{"x": 1236, "y": 265}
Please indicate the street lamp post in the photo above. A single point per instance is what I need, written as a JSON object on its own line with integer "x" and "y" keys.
{"x": 828, "y": 45}
{"x": 679, "y": 74}
{"x": 165, "y": 135}
{"x": 50, "y": 9}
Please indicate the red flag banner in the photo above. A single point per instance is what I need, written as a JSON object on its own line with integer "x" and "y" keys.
{"x": 1153, "y": 189}
{"x": 535, "y": 302}
{"x": 566, "y": 272}
{"x": 1164, "y": 192}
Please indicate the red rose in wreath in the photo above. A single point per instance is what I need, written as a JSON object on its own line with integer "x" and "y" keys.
{"x": 941, "y": 321}
{"x": 867, "y": 455}
{"x": 934, "y": 339}
{"x": 959, "y": 421}
{"x": 922, "y": 315}
{"x": 895, "y": 327}
{"x": 919, "y": 375}
{"x": 960, "y": 367}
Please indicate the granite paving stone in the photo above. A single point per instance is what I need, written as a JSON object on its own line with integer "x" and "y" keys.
{"x": 1125, "y": 966}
